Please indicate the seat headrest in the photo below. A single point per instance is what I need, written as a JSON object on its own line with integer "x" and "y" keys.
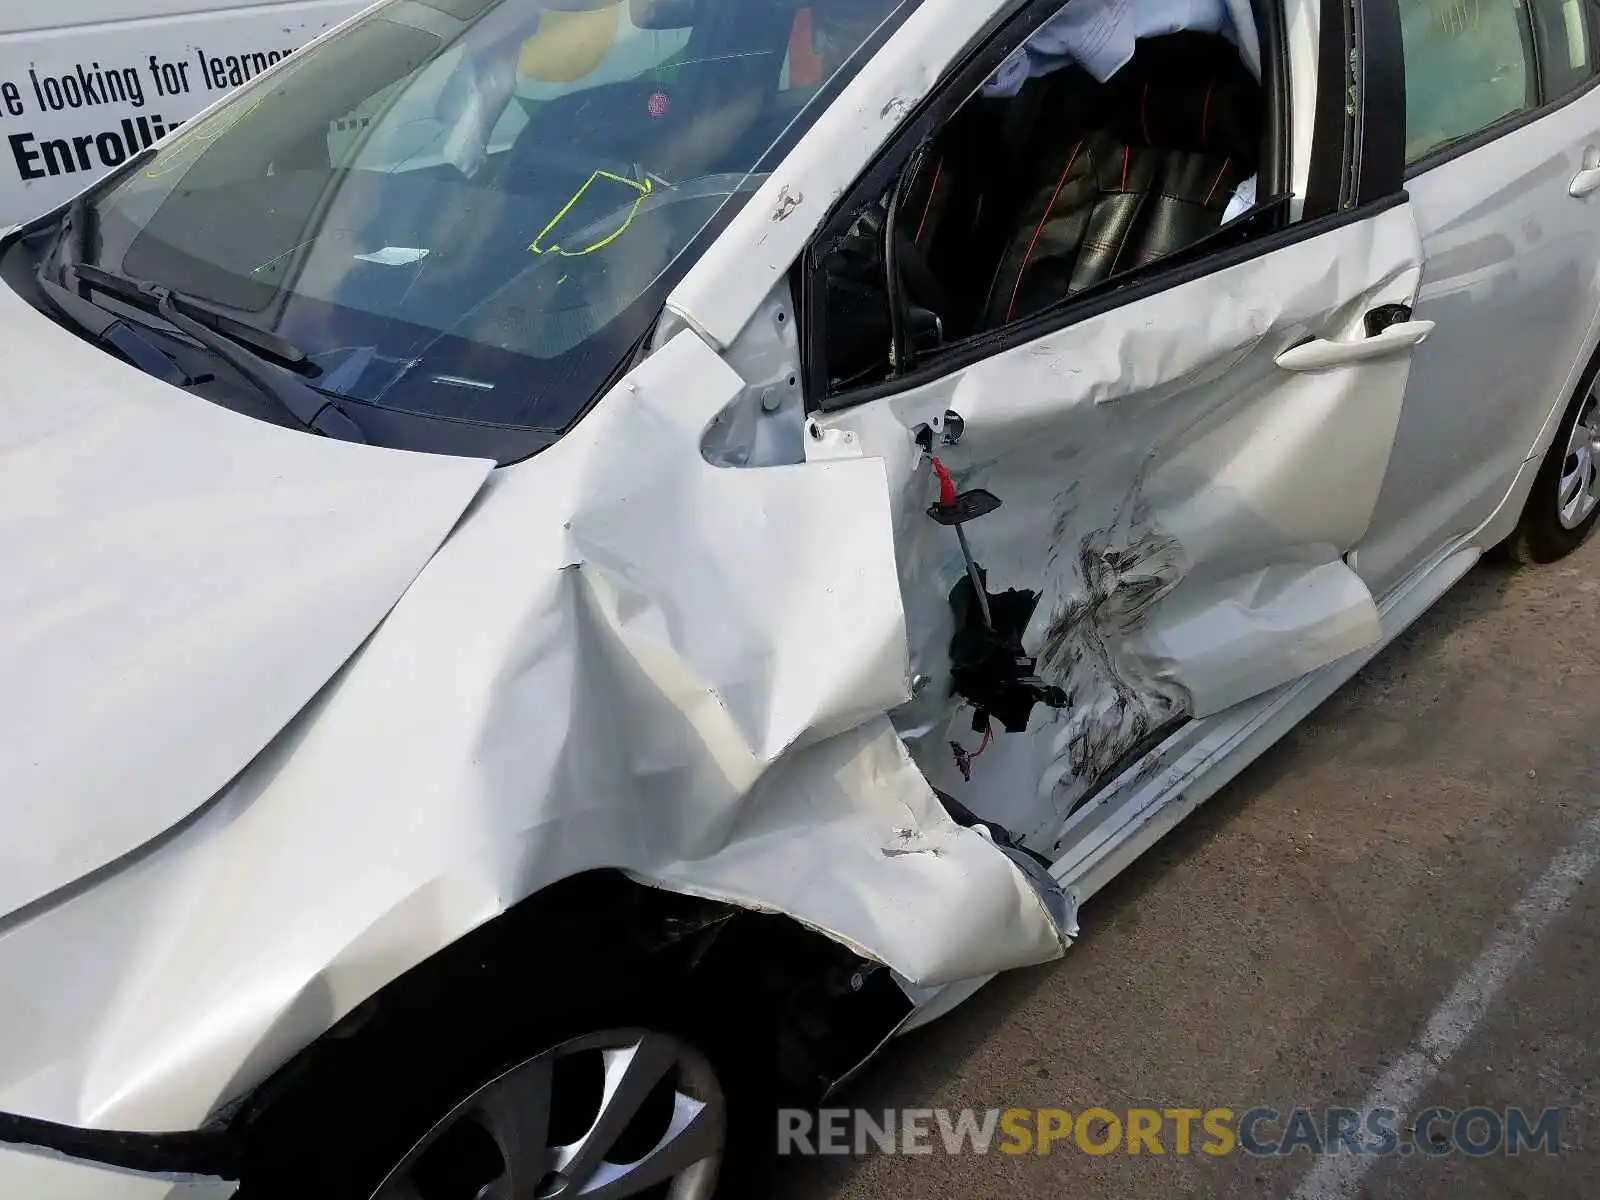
{"x": 1189, "y": 93}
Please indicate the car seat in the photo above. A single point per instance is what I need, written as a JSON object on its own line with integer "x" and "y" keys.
{"x": 1183, "y": 128}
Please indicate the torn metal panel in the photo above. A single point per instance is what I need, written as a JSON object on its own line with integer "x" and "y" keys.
{"x": 624, "y": 656}
{"x": 1180, "y": 502}
{"x": 765, "y": 424}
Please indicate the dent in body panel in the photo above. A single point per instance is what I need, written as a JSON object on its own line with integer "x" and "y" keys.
{"x": 1179, "y": 503}
{"x": 629, "y": 657}
{"x": 625, "y": 657}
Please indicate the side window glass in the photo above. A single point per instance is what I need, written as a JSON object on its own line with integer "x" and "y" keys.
{"x": 1106, "y": 145}
{"x": 1469, "y": 64}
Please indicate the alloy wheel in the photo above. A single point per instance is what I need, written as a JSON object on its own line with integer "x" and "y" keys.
{"x": 621, "y": 1114}
{"x": 1578, "y": 493}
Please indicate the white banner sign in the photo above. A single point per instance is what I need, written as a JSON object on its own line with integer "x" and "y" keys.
{"x": 76, "y": 101}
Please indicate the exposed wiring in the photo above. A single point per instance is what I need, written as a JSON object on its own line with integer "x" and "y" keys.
{"x": 964, "y": 759}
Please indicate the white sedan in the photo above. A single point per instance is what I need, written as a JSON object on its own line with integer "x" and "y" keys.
{"x": 573, "y": 567}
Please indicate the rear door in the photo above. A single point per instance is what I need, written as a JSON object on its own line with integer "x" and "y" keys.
{"x": 1183, "y": 463}
{"x": 1503, "y": 170}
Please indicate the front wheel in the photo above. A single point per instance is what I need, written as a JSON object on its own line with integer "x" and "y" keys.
{"x": 617, "y": 1113}
{"x": 1564, "y": 505}
{"x": 603, "y": 1084}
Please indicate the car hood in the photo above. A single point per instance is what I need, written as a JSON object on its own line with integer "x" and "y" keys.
{"x": 179, "y": 581}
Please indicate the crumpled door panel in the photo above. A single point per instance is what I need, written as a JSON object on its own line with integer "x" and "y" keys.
{"x": 1179, "y": 501}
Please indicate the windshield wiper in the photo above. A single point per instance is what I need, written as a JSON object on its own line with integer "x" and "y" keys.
{"x": 111, "y": 330}
{"x": 264, "y": 360}
{"x": 106, "y": 328}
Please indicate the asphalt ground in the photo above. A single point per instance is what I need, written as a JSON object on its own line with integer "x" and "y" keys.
{"x": 1397, "y": 906}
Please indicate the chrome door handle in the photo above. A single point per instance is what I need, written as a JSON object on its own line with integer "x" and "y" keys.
{"x": 1320, "y": 354}
{"x": 1584, "y": 182}
{"x": 1587, "y": 180}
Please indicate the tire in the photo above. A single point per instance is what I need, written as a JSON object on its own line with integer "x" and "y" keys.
{"x": 1564, "y": 505}
{"x": 431, "y": 1106}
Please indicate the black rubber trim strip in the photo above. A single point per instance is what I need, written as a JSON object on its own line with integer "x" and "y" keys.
{"x": 1274, "y": 39}
{"x": 1332, "y": 145}
{"x": 986, "y": 346}
{"x": 1380, "y": 81}
{"x": 214, "y": 1154}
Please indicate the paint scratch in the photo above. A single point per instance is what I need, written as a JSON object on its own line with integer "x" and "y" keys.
{"x": 788, "y": 201}
{"x": 1104, "y": 592}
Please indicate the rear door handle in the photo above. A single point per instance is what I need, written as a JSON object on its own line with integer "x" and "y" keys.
{"x": 1321, "y": 354}
{"x": 1587, "y": 180}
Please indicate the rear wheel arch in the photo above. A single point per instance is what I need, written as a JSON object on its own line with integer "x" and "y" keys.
{"x": 1538, "y": 536}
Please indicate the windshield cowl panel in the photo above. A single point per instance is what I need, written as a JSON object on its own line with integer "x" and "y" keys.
{"x": 468, "y": 215}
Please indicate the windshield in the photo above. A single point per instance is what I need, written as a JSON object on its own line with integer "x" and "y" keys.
{"x": 467, "y": 213}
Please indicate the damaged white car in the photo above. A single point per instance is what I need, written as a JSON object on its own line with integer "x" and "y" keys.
{"x": 808, "y": 490}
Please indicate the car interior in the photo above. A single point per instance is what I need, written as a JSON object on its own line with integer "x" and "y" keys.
{"x": 1024, "y": 200}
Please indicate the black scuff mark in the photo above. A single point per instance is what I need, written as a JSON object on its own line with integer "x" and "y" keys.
{"x": 1139, "y": 754}
{"x": 1061, "y": 529}
{"x": 1109, "y": 580}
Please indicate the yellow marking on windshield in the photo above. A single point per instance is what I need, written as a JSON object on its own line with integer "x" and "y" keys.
{"x": 644, "y": 189}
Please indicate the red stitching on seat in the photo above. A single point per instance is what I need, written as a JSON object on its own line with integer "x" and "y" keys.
{"x": 1205, "y": 113}
{"x": 1043, "y": 221}
{"x": 933, "y": 190}
{"x": 1226, "y": 163}
{"x": 1126, "y": 152}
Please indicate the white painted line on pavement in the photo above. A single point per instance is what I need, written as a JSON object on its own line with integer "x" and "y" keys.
{"x": 1339, "y": 1178}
